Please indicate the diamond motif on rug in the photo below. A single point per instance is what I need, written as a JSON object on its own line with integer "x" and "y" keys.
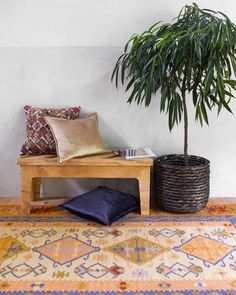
{"x": 38, "y": 233}
{"x": 101, "y": 233}
{"x": 137, "y": 250}
{"x": 180, "y": 269}
{"x": 22, "y": 270}
{"x": 10, "y": 246}
{"x": 65, "y": 250}
{"x": 206, "y": 249}
{"x": 99, "y": 270}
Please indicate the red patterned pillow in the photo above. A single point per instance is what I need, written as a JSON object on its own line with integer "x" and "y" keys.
{"x": 39, "y": 139}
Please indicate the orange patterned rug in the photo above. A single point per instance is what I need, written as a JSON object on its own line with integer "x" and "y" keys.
{"x": 54, "y": 252}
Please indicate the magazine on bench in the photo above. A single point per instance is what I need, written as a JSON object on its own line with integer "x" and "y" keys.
{"x": 134, "y": 153}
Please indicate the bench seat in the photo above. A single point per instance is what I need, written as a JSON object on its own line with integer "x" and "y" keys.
{"x": 33, "y": 168}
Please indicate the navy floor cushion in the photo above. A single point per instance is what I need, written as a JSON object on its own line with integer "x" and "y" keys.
{"x": 102, "y": 205}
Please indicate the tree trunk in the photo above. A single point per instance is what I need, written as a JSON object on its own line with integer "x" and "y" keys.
{"x": 185, "y": 130}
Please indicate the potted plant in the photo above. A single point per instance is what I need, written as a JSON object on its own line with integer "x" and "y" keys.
{"x": 195, "y": 54}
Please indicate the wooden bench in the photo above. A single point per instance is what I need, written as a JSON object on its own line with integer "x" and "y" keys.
{"x": 33, "y": 168}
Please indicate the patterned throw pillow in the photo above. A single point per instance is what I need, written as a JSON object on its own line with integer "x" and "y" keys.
{"x": 39, "y": 139}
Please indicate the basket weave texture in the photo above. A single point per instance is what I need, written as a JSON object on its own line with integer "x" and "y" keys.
{"x": 180, "y": 188}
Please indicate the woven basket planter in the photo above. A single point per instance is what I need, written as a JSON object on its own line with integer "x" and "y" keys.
{"x": 179, "y": 188}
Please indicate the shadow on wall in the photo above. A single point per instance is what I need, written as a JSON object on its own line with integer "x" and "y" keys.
{"x": 114, "y": 141}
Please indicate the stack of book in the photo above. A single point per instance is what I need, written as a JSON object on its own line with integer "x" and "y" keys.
{"x": 134, "y": 153}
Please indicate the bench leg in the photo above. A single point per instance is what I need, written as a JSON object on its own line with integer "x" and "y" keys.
{"x": 26, "y": 192}
{"x": 36, "y": 184}
{"x": 144, "y": 191}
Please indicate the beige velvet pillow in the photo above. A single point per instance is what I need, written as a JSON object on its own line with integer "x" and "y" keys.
{"x": 76, "y": 138}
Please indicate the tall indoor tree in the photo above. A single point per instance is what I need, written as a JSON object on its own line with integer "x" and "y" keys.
{"x": 195, "y": 54}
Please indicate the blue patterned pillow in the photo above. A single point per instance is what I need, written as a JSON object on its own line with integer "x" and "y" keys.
{"x": 102, "y": 205}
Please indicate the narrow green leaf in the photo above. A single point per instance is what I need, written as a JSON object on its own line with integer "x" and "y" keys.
{"x": 232, "y": 83}
{"x": 220, "y": 86}
{"x": 114, "y": 72}
{"x": 148, "y": 94}
{"x": 208, "y": 82}
{"x": 154, "y": 62}
{"x": 198, "y": 116}
{"x": 224, "y": 103}
{"x": 227, "y": 93}
{"x": 233, "y": 62}
{"x": 214, "y": 99}
{"x": 179, "y": 106}
{"x": 117, "y": 76}
{"x": 131, "y": 82}
{"x": 219, "y": 107}
{"x": 198, "y": 48}
{"x": 171, "y": 109}
{"x": 175, "y": 117}
{"x": 163, "y": 98}
{"x": 204, "y": 112}
{"x": 195, "y": 97}
{"x": 123, "y": 67}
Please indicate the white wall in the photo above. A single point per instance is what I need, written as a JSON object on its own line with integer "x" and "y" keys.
{"x": 62, "y": 52}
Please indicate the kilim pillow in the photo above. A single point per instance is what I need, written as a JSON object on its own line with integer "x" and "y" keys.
{"x": 39, "y": 139}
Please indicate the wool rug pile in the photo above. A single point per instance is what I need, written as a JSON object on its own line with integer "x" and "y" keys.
{"x": 54, "y": 252}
